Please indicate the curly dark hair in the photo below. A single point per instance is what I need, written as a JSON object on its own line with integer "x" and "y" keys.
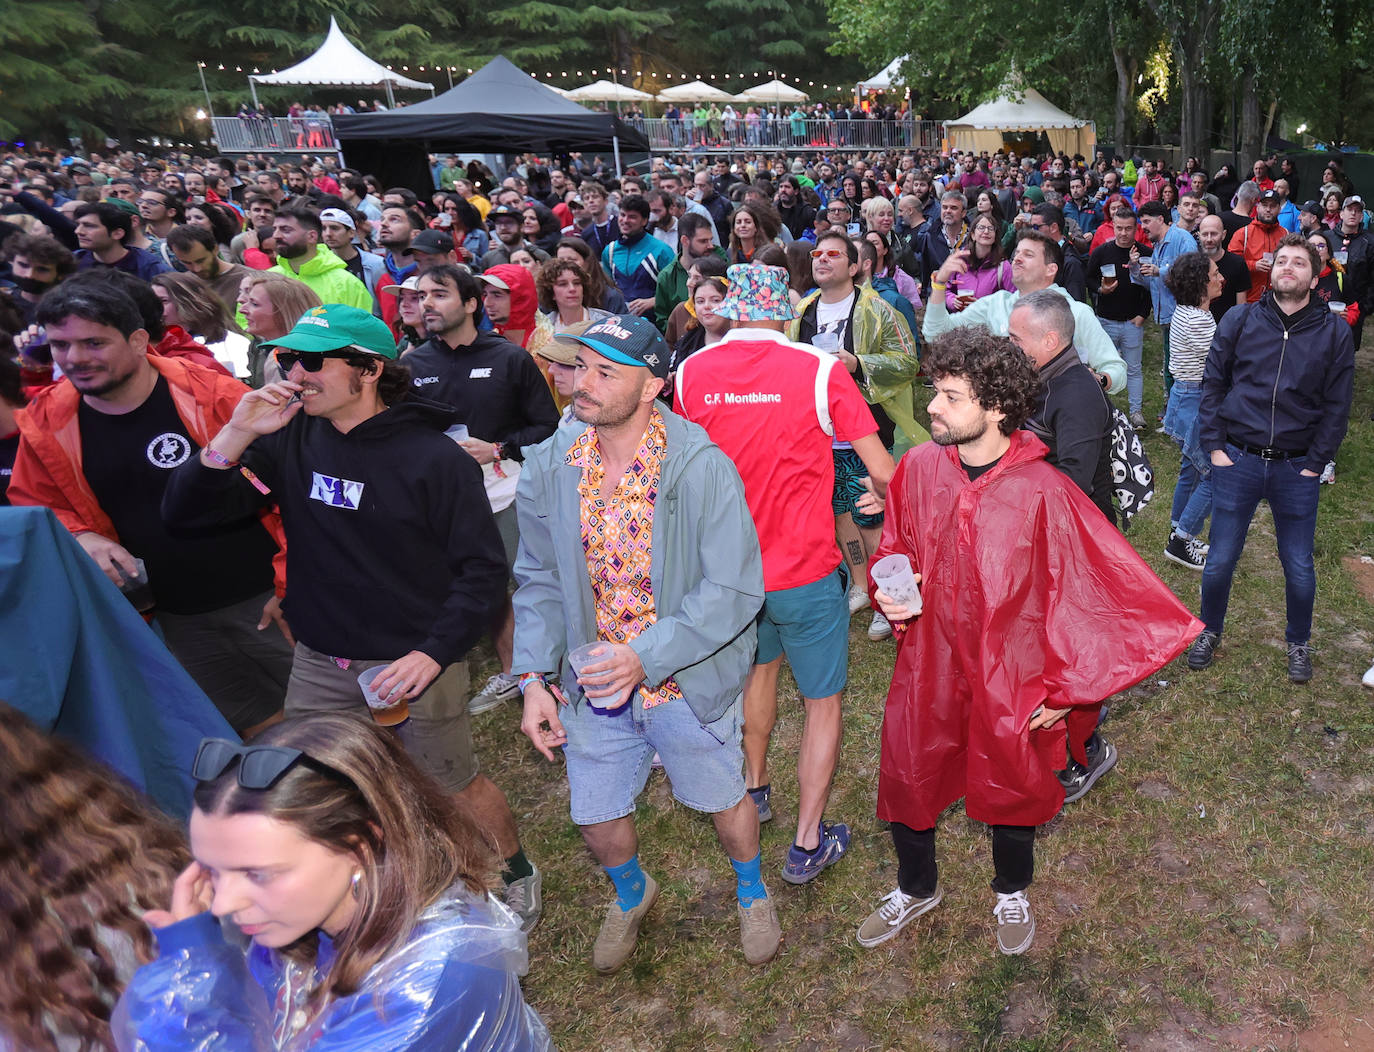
{"x": 547, "y": 275}
{"x": 1188, "y": 278}
{"x": 81, "y": 857}
{"x": 999, "y": 374}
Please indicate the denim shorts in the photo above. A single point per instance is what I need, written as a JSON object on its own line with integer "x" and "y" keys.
{"x": 609, "y": 757}
{"x": 810, "y": 624}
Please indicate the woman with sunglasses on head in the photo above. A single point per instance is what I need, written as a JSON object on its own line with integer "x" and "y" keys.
{"x": 363, "y": 889}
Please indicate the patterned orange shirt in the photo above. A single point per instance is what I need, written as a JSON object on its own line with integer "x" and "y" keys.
{"x": 617, "y": 536}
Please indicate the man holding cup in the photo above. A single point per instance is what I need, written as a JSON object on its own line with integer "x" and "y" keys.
{"x": 639, "y": 577}
{"x": 393, "y": 557}
{"x": 1005, "y": 646}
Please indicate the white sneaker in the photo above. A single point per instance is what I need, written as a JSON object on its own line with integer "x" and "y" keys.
{"x": 896, "y": 911}
{"x": 881, "y": 628}
{"x": 858, "y": 599}
{"x": 1328, "y": 474}
{"x": 501, "y": 687}
{"x": 1368, "y": 680}
{"x": 1015, "y": 923}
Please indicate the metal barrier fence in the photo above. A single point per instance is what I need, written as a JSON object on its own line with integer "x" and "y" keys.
{"x": 275, "y": 135}
{"x": 774, "y": 132}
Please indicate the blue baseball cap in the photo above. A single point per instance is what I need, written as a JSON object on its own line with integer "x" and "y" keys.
{"x": 627, "y": 339}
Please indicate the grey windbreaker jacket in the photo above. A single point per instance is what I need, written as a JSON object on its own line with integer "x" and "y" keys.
{"x": 707, "y": 573}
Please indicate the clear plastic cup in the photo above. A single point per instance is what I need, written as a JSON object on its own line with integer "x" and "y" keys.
{"x": 1337, "y": 307}
{"x": 828, "y": 342}
{"x": 458, "y": 432}
{"x": 1341, "y": 257}
{"x": 385, "y": 713}
{"x": 897, "y": 580}
{"x": 136, "y": 588}
{"x": 593, "y": 654}
{"x": 1109, "y": 270}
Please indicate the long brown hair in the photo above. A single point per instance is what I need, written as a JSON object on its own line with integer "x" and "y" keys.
{"x": 593, "y": 277}
{"x": 362, "y": 795}
{"x": 81, "y": 857}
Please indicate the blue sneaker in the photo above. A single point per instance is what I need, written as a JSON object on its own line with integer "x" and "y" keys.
{"x": 803, "y": 867}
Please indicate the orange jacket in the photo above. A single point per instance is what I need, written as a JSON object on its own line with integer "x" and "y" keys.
{"x": 1251, "y": 242}
{"x": 47, "y": 471}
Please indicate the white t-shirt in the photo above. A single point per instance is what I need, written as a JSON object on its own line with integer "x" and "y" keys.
{"x": 834, "y": 318}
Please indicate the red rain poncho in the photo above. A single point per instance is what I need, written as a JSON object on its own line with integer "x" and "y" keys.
{"x": 1030, "y": 598}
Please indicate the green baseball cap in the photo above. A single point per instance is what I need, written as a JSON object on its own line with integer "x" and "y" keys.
{"x": 336, "y": 326}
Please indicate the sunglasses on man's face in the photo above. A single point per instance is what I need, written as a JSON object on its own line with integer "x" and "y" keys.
{"x": 826, "y": 253}
{"x": 311, "y": 361}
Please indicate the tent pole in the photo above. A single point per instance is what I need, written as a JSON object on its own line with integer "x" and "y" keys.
{"x": 253, "y": 90}
{"x": 615, "y": 153}
{"x": 390, "y": 98}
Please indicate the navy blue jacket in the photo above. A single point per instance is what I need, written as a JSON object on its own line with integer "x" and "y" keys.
{"x": 1277, "y": 380}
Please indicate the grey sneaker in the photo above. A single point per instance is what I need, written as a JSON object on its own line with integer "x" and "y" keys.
{"x": 896, "y": 911}
{"x": 759, "y": 931}
{"x": 1077, "y": 778}
{"x": 620, "y": 930}
{"x": 1204, "y": 648}
{"x": 880, "y": 628}
{"x": 1299, "y": 662}
{"x": 525, "y": 897}
{"x": 1138, "y": 420}
{"x": 1015, "y": 923}
{"x": 501, "y": 687}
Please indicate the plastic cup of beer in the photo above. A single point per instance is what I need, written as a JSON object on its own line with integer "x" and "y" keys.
{"x": 593, "y": 654}
{"x": 1269, "y": 258}
{"x": 1342, "y": 257}
{"x": 1109, "y": 271}
{"x": 136, "y": 587}
{"x": 385, "y": 711}
{"x": 828, "y": 342}
{"x": 965, "y": 298}
{"x": 897, "y": 580}
{"x": 1337, "y": 307}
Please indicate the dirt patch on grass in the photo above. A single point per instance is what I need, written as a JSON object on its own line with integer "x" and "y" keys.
{"x": 1361, "y": 568}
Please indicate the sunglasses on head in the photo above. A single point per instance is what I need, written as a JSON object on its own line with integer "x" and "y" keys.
{"x": 311, "y": 361}
{"x": 260, "y": 766}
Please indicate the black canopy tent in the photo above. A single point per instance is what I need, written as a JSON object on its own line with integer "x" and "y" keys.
{"x": 499, "y": 109}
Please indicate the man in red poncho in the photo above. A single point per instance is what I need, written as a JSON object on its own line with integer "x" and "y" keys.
{"x": 1032, "y": 613}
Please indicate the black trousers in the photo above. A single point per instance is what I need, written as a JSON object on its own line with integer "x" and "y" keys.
{"x": 1013, "y": 859}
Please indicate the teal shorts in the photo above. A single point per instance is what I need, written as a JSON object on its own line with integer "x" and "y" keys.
{"x": 810, "y": 624}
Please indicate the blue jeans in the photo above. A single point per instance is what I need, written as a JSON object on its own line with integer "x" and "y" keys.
{"x": 1236, "y": 492}
{"x": 1192, "y": 499}
{"x": 1129, "y": 340}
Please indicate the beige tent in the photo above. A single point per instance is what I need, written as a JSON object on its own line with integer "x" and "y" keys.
{"x": 983, "y": 126}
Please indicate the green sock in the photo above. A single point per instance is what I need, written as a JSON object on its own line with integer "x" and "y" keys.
{"x": 517, "y": 867}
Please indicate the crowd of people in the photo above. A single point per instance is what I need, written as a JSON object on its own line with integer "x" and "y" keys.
{"x": 651, "y": 434}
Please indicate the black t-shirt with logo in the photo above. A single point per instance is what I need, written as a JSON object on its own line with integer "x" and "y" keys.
{"x": 126, "y": 459}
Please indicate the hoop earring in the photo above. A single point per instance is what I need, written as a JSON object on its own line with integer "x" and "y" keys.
{"x": 354, "y": 880}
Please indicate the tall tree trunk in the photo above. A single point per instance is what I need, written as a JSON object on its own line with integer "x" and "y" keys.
{"x": 1268, "y": 126}
{"x": 1125, "y": 81}
{"x": 1195, "y": 107}
{"x": 1250, "y": 145}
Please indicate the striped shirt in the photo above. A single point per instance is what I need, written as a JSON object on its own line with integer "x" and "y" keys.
{"x": 1190, "y": 338}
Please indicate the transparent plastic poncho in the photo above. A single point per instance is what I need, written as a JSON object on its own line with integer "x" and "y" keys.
{"x": 454, "y": 985}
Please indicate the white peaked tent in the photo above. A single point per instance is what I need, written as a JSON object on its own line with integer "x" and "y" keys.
{"x": 606, "y": 91}
{"x": 337, "y": 63}
{"x": 883, "y": 81}
{"x": 772, "y": 93}
{"x": 695, "y": 91}
{"x": 983, "y": 126}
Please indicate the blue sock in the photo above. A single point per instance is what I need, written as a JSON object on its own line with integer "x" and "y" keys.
{"x": 749, "y": 881}
{"x": 628, "y": 879}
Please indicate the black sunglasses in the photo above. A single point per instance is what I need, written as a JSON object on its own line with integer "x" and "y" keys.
{"x": 260, "y": 766}
{"x": 311, "y": 361}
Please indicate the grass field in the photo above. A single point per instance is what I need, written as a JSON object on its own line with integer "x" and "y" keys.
{"x": 1214, "y": 891}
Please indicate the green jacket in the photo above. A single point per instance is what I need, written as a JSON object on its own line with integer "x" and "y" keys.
{"x": 328, "y": 277}
{"x": 887, "y": 360}
{"x": 672, "y": 290}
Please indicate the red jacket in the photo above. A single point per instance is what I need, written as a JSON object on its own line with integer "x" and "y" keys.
{"x": 1030, "y": 598}
{"x": 47, "y": 470}
{"x": 177, "y": 343}
{"x": 1251, "y": 242}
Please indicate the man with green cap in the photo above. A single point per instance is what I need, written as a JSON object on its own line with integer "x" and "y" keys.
{"x": 393, "y": 557}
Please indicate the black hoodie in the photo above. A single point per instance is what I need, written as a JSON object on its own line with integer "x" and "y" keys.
{"x": 391, "y": 546}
